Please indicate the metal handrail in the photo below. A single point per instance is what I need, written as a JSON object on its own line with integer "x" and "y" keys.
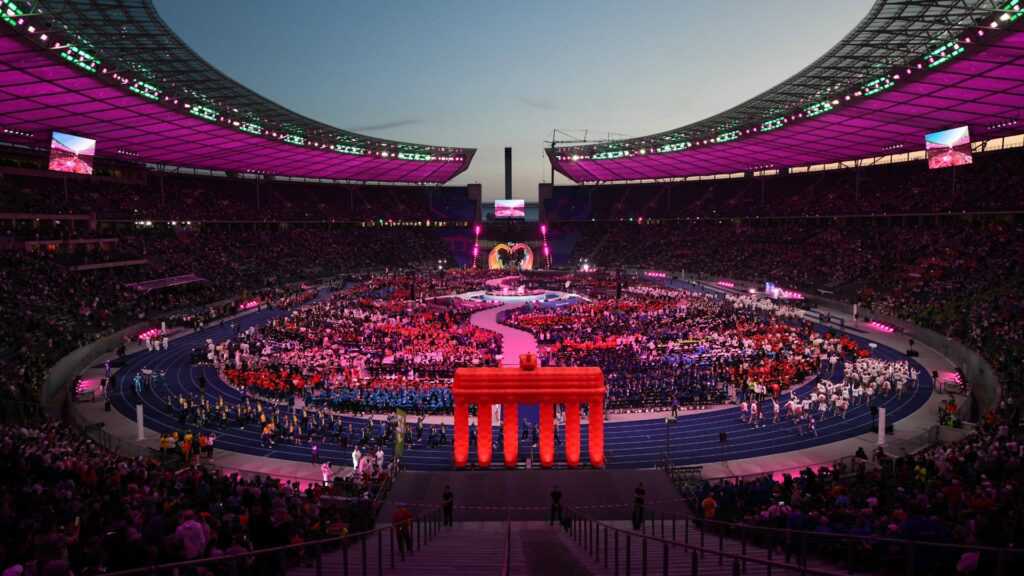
{"x": 584, "y": 531}
{"x": 739, "y": 526}
{"x": 800, "y": 541}
{"x": 506, "y": 565}
{"x": 653, "y": 519}
{"x": 422, "y": 529}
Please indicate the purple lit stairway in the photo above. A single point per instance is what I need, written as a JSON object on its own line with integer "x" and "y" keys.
{"x": 466, "y": 549}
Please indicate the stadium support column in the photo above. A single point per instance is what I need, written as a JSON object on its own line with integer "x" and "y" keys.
{"x": 510, "y": 438}
{"x": 572, "y": 434}
{"x": 461, "y": 439}
{"x": 508, "y": 173}
{"x": 547, "y": 434}
{"x": 881, "y": 425}
{"x": 595, "y": 431}
{"x": 484, "y": 434}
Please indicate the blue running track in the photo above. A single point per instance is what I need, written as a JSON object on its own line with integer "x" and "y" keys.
{"x": 638, "y": 444}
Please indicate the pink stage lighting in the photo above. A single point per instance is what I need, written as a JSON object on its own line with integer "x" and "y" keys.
{"x": 656, "y": 274}
{"x": 884, "y": 328}
{"x": 476, "y": 230}
{"x": 149, "y": 334}
{"x": 249, "y": 305}
{"x": 725, "y": 284}
{"x": 544, "y": 229}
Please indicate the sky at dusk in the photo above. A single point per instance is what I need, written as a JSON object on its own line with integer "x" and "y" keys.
{"x": 487, "y": 74}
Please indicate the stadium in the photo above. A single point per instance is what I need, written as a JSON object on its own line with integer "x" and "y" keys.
{"x": 786, "y": 338}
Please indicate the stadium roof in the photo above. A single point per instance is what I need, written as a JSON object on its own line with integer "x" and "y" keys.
{"x": 909, "y": 67}
{"x": 112, "y": 70}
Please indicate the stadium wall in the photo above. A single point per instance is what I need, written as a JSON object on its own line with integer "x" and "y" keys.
{"x": 61, "y": 375}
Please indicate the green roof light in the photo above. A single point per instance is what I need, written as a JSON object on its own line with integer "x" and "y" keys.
{"x": 818, "y": 108}
{"x": 354, "y": 150}
{"x": 80, "y": 58}
{"x": 673, "y": 147}
{"x": 251, "y": 128}
{"x": 414, "y": 156}
{"x": 204, "y": 113}
{"x": 945, "y": 53}
{"x": 145, "y": 90}
{"x": 9, "y": 11}
{"x": 878, "y": 85}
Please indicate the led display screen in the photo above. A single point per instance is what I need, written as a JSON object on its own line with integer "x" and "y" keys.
{"x": 69, "y": 153}
{"x": 948, "y": 148}
{"x": 510, "y": 208}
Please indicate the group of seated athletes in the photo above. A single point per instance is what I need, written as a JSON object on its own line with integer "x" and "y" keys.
{"x": 865, "y": 382}
{"x": 279, "y": 422}
{"x": 662, "y": 348}
{"x": 364, "y": 349}
{"x": 368, "y": 350}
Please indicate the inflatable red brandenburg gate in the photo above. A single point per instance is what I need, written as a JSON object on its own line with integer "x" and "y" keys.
{"x": 529, "y": 384}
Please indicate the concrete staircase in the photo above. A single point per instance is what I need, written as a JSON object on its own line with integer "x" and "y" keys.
{"x": 465, "y": 549}
{"x": 478, "y": 548}
{"x": 474, "y": 548}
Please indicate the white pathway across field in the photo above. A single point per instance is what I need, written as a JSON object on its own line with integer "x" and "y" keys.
{"x": 514, "y": 341}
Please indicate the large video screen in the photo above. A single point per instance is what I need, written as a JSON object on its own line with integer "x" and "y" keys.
{"x": 70, "y": 153}
{"x": 510, "y": 208}
{"x": 948, "y": 148}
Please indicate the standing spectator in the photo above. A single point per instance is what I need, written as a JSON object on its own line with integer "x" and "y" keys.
{"x": 639, "y": 497}
{"x": 192, "y": 535}
{"x": 556, "y": 506}
{"x": 709, "y": 506}
{"x": 448, "y": 504}
{"x": 402, "y": 521}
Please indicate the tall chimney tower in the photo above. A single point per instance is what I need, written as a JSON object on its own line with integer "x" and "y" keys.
{"x": 508, "y": 173}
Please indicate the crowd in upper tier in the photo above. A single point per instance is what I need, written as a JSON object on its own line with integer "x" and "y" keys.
{"x": 185, "y": 197}
{"x": 992, "y": 183}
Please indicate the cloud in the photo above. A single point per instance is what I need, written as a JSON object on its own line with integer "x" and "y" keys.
{"x": 385, "y": 125}
{"x": 538, "y": 103}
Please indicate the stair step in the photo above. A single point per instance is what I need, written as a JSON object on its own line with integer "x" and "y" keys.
{"x": 478, "y": 548}
{"x": 466, "y": 549}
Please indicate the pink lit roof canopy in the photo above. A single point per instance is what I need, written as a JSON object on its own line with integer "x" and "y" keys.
{"x": 907, "y": 69}
{"x": 112, "y": 70}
